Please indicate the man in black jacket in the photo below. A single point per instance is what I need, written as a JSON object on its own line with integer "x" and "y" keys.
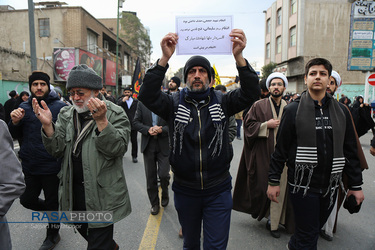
{"x": 129, "y": 104}
{"x": 198, "y": 128}
{"x": 155, "y": 149}
{"x": 39, "y": 167}
{"x": 316, "y": 140}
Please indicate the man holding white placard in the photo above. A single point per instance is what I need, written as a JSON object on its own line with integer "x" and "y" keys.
{"x": 200, "y": 153}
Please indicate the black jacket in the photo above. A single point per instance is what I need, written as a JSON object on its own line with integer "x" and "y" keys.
{"x": 35, "y": 159}
{"x": 286, "y": 147}
{"x": 196, "y": 168}
{"x": 130, "y": 112}
{"x": 143, "y": 122}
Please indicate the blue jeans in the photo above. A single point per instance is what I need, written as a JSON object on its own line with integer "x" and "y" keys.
{"x": 310, "y": 213}
{"x": 214, "y": 211}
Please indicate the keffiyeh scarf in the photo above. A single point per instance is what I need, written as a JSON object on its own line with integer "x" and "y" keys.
{"x": 183, "y": 117}
{"x": 307, "y": 153}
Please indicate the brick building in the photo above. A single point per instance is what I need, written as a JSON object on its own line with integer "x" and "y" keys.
{"x": 57, "y": 27}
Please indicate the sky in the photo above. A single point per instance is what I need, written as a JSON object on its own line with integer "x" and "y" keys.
{"x": 159, "y": 16}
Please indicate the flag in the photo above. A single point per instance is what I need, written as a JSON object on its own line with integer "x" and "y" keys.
{"x": 137, "y": 79}
{"x": 217, "y": 78}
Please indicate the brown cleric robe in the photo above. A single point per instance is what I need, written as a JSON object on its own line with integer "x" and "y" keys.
{"x": 250, "y": 190}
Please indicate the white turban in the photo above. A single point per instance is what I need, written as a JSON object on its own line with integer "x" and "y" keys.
{"x": 276, "y": 75}
{"x": 337, "y": 77}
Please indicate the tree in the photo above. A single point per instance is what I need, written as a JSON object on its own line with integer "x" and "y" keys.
{"x": 268, "y": 69}
{"x": 135, "y": 34}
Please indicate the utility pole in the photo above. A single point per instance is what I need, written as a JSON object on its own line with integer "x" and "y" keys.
{"x": 32, "y": 36}
{"x": 119, "y": 5}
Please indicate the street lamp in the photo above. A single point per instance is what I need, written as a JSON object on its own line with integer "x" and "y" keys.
{"x": 119, "y": 5}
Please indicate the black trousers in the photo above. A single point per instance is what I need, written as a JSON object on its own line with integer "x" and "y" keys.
{"x": 30, "y": 198}
{"x": 134, "y": 141}
{"x": 97, "y": 238}
{"x": 156, "y": 164}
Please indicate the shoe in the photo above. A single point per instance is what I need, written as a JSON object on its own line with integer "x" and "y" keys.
{"x": 325, "y": 236}
{"x": 50, "y": 242}
{"x": 239, "y": 138}
{"x": 275, "y": 233}
{"x": 180, "y": 233}
{"x": 135, "y": 160}
{"x": 164, "y": 201}
{"x": 155, "y": 209}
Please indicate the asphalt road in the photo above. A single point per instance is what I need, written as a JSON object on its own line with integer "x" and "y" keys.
{"x": 140, "y": 230}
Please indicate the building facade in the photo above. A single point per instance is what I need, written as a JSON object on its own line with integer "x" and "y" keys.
{"x": 57, "y": 26}
{"x": 299, "y": 30}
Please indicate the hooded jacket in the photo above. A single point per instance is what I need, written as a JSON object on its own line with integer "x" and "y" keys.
{"x": 286, "y": 148}
{"x": 35, "y": 159}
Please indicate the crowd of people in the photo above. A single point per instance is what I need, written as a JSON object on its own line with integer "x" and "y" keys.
{"x": 72, "y": 150}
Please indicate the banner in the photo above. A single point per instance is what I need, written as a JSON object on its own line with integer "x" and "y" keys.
{"x": 137, "y": 79}
{"x": 110, "y": 73}
{"x": 63, "y": 60}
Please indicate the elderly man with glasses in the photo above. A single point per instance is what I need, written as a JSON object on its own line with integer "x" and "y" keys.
{"x": 91, "y": 136}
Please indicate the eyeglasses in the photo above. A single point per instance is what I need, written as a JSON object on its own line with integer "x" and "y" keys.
{"x": 273, "y": 84}
{"x": 78, "y": 92}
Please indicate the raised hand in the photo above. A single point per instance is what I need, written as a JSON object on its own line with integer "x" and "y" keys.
{"x": 239, "y": 43}
{"x": 17, "y": 115}
{"x": 43, "y": 114}
{"x": 98, "y": 110}
{"x": 168, "y": 47}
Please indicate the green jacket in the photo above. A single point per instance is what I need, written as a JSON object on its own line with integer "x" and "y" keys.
{"x": 104, "y": 179}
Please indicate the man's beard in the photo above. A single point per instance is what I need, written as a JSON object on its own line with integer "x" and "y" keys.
{"x": 172, "y": 87}
{"x": 84, "y": 107}
{"x": 277, "y": 95}
{"x": 39, "y": 98}
{"x": 329, "y": 91}
{"x": 203, "y": 89}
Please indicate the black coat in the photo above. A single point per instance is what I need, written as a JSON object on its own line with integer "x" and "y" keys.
{"x": 130, "y": 112}
{"x": 143, "y": 121}
{"x": 35, "y": 159}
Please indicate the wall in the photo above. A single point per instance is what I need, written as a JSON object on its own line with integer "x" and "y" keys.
{"x": 327, "y": 27}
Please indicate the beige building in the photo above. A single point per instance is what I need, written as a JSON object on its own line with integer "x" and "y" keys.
{"x": 298, "y": 30}
{"x": 57, "y": 26}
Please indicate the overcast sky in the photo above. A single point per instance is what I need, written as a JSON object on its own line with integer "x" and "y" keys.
{"x": 159, "y": 17}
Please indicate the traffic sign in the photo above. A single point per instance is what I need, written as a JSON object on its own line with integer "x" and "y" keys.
{"x": 371, "y": 79}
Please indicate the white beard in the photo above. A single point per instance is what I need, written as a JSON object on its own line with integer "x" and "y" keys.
{"x": 84, "y": 108}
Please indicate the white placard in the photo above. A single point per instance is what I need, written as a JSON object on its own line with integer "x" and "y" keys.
{"x": 203, "y": 35}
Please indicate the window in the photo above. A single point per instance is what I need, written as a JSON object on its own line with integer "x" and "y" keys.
{"x": 268, "y": 28}
{"x": 293, "y": 38}
{"x": 268, "y": 50}
{"x": 293, "y": 6}
{"x": 278, "y": 45}
{"x": 43, "y": 27}
{"x": 278, "y": 20}
{"x": 92, "y": 41}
